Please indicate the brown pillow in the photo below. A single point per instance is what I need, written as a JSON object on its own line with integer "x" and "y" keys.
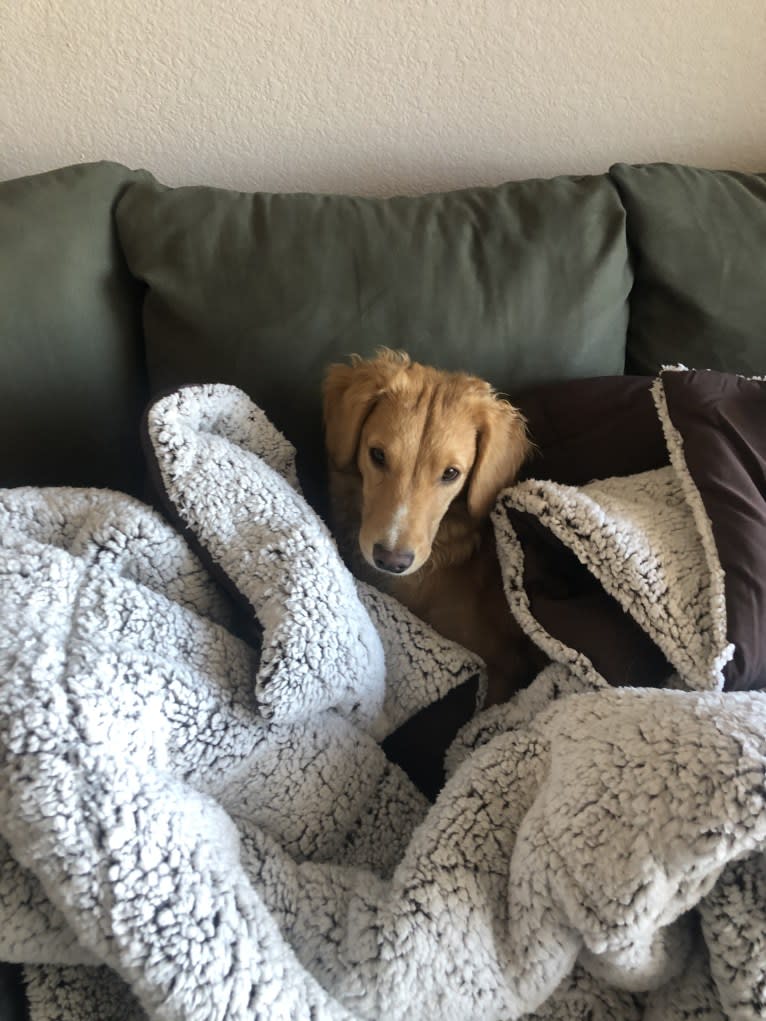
{"x": 722, "y": 419}
{"x": 584, "y": 430}
{"x": 593, "y": 429}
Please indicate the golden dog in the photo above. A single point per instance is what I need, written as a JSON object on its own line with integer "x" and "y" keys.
{"x": 417, "y": 457}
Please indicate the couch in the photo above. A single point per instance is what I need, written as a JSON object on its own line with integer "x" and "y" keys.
{"x": 115, "y": 289}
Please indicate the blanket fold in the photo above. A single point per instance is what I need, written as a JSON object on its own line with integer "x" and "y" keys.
{"x": 199, "y": 824}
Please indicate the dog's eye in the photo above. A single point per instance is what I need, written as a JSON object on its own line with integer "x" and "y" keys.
{"x": 377, "y": 456}
{"x": 450, "y": 474}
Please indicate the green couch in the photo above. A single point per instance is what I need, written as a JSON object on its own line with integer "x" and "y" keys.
{"x": 114, "y": 288}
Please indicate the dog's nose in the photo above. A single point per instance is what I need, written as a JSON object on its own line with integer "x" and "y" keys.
{"x": 392, "y": 560}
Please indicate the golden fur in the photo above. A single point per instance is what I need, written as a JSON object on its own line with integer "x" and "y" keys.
{"x": 417, "y": 457}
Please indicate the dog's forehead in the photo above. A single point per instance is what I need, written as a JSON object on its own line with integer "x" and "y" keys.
{"x": 427, "y": 415}
{"x": 427, "y": 393}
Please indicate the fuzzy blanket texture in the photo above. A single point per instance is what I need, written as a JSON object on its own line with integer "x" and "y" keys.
{"x": 198, "y": 822}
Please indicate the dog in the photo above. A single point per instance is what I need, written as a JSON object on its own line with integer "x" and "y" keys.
{"x": 416, "y": 458}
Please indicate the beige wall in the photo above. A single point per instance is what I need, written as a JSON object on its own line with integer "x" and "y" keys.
{"x": 380, "y": 96}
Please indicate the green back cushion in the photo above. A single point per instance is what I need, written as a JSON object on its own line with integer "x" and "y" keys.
{"x": 71, "y": 375}
{"x": 519, "y": 284}
{"x": 698, "y": 241}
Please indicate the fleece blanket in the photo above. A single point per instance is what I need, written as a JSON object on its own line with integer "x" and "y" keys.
{"x": 198, "y": 821}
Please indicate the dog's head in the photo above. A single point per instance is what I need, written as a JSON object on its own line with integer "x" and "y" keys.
{"x": 419, "y": 438}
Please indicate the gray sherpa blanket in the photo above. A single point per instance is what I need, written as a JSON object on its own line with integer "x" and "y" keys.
{"x": 198, "y": 821}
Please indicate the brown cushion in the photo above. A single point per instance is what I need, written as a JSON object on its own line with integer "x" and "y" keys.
{"x": 722, "y": 419}
{"x": 584, "y": 430}
{"x": 593, "y": 429}
{"x": 599, "y": 428}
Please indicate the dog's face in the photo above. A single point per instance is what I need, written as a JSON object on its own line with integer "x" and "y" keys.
{"x": 418, "y": 438}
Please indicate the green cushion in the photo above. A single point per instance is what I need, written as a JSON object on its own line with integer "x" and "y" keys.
{"x": 520, "y": 284}
{"x": 698, "y": 240}
{"x": 71, "y": 374}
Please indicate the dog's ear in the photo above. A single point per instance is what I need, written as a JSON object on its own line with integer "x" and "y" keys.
{"x": 502, "y": 446}
{"x": 349, "y": 395}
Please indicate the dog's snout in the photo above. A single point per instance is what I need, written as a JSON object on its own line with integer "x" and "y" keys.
{"x": 392, "y": 560}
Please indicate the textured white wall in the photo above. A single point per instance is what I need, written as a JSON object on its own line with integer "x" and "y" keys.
{"x": 380, "y": 96}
